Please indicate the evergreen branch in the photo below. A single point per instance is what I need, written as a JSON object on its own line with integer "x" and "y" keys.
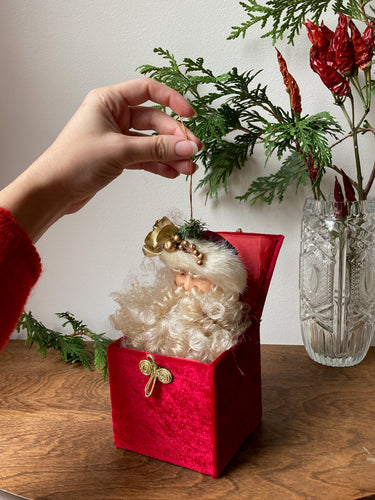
{"x": 354, "y": 9}
{"x": 285, "y": 17}
{"x": 310, "y": 133}
{"x": 220, "y": 159}
{"x": 192, "y": 229}
{"x": 227, "y": 105}
{"x": 234, "y": 114}
{"x": 73, "y": 348}
{"x": 293, "y": 170}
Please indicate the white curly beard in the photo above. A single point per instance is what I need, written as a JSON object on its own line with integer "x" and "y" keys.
{"x": 166, "y": 320}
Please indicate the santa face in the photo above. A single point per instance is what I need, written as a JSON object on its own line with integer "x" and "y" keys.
{"x": 187, "y": 281}
{"x": 187, "y": 320}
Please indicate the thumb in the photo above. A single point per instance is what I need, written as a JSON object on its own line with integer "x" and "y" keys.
{"x": 160, "y": 148}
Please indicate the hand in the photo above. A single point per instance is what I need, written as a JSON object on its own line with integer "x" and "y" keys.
{"x": 103, "y": 138}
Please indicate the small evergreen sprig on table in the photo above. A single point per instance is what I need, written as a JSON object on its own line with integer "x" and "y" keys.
{"x": 73, "y": 348}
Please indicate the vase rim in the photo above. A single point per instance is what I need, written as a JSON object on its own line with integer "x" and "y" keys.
{"x": 334, "y": 207}
{"x": 332, "y": 200}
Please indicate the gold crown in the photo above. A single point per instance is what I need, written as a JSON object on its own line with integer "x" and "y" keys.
{"x": 165, "y": 236}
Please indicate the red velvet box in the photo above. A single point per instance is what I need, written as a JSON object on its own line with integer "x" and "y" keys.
{"x": 201, "y": 418}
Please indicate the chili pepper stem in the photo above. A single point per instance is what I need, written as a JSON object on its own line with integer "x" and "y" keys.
{"x": 367, "y": 72}
{"x": 361, "y": 194}
{"x": 355, "y": 82}
{"x": 340, "y": 103}
{"x": 354, "y": 133}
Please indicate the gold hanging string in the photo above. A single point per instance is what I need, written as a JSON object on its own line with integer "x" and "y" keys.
{"x": 191, "y": 170}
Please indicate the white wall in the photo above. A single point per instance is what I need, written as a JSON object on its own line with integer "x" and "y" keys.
{"x": 52, "y": 53}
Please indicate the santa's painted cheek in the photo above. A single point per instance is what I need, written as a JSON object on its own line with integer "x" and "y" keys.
{"x": 203, "y": 284}
{"x": 187, "y": 282}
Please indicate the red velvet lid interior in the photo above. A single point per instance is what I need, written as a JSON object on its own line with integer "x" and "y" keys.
{"x": 259, "y": 254}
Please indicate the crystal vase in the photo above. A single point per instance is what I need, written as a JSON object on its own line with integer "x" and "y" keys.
{"x": 337, "y": 280}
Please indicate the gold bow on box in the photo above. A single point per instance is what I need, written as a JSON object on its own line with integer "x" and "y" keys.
{"x": 150, "y": 368}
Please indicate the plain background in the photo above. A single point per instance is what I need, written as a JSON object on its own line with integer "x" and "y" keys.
{"x": 52, "y": 53}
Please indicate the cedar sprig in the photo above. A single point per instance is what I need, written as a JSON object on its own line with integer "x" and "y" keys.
{"x": 293, "y": 171}
{"x": 73, "y": 347}
{"x": 234, "y": 116}
{"x": 279, "y": 18}
{"x": 192, "y": 228}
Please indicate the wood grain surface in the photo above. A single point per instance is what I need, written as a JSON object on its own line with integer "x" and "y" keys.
{"x": 316, "y": 440}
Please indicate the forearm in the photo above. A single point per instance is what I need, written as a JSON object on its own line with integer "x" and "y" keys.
{"x": 32, "y": 202}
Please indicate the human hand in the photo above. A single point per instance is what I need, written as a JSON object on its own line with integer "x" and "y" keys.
{"x": 104, "y": 137}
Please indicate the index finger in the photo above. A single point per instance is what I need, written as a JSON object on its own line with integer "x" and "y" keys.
{"x": 136, "y": 92}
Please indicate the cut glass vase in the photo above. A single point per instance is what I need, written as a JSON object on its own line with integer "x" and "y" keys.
{"x": 337, "y": 280}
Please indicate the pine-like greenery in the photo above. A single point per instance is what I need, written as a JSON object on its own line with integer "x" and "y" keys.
{"x": 285, "y": 17}
{"x": 191, "y": 229}
{"x": 73, "y": 347}
{"x": 234, "y": 115}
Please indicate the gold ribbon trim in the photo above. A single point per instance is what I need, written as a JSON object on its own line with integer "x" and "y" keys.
{"x": 150, "y": 368}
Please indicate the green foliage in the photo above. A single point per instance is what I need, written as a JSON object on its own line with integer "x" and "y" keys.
{"x": 181, "y": 77}
{"x": 293, "y": 170}
{"x": 279, "y": 18}
{"x": 191, "y": 229}
{"x": 353, "y": 9}
{"x": 310, "y": 134}
{"x": 220, "y": 159}
{"x": 73, "y": 348}
{"x": 234, "y": 116}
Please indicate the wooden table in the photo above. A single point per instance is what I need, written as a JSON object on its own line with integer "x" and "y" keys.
{"x": 316, "y": 441}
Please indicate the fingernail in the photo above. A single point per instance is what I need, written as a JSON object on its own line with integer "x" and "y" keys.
{"x": 186, "y": 149}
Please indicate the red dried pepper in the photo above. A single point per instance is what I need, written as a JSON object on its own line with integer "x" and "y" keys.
{"x": 348, "y": 187}
{"x": 331, "y": 78}
{"x": 324, "y": 55}
{"x": 291, "y": 85}
{"x": 334, "y": 56}
{"x": 320, "y": 36}
{"x": 339, "y": 197}
{"x": 341, "y": 210}
{"x": 283, "y": 69}
{"x": 313, "y": 169}
{"x": 295, "y": 96}
{"x": 363, "y": 45}
{"x": 340, "y": 51}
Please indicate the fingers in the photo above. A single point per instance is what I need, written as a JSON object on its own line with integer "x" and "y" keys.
{"x": 159, "y": 148}
{"x": 170, "y": 171}
{"x": 148, "y": 118}
{"x": 136, "y": 92}
{"x": 162, "y": 154}
{"x": 169, "y": 153}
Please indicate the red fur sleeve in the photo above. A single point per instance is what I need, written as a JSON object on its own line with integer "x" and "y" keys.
{"x": 20, "y": 268}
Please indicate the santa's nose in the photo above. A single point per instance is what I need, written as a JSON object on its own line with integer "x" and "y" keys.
{"x": 188, "y": 282}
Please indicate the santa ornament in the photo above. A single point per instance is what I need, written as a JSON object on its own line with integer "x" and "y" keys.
{"x": 194, "y": 310}
{"x": 167, "y": 405}
{"x": 185, "y": 375}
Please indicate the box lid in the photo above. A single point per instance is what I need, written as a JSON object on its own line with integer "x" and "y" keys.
{"x": 259, "y": 253}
